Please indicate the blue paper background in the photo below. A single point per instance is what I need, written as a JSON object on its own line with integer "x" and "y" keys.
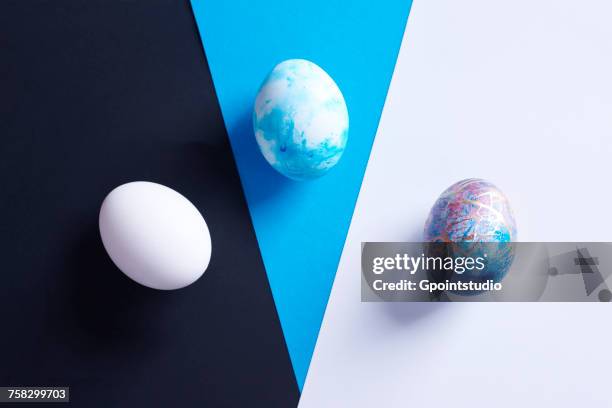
{"x": 301, "y": 226}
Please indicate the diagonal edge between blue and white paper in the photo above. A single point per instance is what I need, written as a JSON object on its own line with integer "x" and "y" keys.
{"x": 519, "y": 93}
{"x": 301, "y": 226}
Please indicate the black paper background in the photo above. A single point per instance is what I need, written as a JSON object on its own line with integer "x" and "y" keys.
{"x": 94, "y": 94}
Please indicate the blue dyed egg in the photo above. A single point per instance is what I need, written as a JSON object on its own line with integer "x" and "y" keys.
{"x": 300, "y": 120}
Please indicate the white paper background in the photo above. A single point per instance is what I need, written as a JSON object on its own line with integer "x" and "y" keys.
{"x": 520, "y": 93}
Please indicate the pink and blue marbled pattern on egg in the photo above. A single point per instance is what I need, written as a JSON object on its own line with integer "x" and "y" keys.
{"x": 471, "y": 210}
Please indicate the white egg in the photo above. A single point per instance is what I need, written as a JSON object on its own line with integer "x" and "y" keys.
{"x": 154, "y": 235}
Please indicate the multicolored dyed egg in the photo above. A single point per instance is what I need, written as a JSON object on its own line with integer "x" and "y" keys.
{"x": 300, "y": 120}
{"x": 471, "y": 210}
{"x": 476, "y": 217}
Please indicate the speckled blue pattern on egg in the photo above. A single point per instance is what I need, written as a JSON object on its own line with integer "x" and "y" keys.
{"x": 300, "y": 120}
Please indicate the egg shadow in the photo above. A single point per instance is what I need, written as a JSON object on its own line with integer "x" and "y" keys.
{"x": 270, "y": 182}
{"x": 104, "y": 311}
{"x": 406, "y": 313}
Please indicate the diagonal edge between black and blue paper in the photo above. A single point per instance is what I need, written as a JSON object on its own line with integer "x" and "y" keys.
{"x": 95, "y": 95}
